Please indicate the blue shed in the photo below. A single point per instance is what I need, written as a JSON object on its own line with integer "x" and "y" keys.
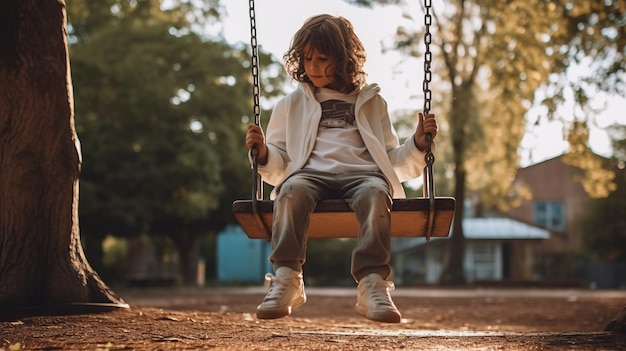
{"x": 240, "y": 259}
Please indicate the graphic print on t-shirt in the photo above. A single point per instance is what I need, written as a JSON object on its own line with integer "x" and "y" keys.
{"x": 337, "y": 114}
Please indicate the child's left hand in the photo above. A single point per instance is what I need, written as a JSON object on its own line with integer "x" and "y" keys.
{"x": 426, "y": 124}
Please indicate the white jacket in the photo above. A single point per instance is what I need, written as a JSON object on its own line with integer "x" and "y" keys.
{"x": 293, "y": 127}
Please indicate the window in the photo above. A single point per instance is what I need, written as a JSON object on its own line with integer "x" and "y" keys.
{"x": 550, "y": 215}
{"x": 485, "y": 261}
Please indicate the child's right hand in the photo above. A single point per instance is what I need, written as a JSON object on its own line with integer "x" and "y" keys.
{"x": 426, "y": 124}
{"x": 255, "y": 138}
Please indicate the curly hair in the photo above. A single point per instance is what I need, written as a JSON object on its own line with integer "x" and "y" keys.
{"x": 334, "y": 37}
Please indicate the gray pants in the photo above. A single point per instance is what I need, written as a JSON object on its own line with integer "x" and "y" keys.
{"x": 368, "y": 195}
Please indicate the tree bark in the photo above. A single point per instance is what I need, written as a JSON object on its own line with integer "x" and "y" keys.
{"x": 454, "y": 273}
{"x": 42, "y": 263}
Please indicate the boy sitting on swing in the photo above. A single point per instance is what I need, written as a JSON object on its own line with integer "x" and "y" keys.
{"x": 333, "y": 138}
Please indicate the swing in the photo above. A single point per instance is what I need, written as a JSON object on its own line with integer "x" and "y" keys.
{"x": 428, "y": 216}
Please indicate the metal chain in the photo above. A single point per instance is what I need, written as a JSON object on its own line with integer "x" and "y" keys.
{"x": 257, "y": 182}
{"x": 256, "y": 88}
{"x": 427, "y": 57}
{"x": 257, "y": 188}
{"x": 429, "y": 184}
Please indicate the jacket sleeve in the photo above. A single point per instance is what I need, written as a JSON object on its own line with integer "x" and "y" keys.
{"x": 274, "y": 170}
{"x": 407, "y": 160}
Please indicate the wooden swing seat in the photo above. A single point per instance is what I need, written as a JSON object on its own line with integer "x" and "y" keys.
{"x": 335, "y": 219}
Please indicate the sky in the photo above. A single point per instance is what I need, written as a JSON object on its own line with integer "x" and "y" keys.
{"x": 400, "y": 77}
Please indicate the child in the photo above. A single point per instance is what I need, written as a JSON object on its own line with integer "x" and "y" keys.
{"x": 333, "y": 138}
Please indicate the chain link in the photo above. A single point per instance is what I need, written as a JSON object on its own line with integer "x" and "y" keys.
{"x": 427, "y": 57}
{"x": 256, "y": 87}
{"x": 257, "y": 188}
{"x": 429, "y": 184}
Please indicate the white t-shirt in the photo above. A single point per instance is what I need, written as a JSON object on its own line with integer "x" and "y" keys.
{"x": 339, "y": 147}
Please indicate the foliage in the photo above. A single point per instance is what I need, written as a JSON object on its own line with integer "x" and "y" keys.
{"x": 604, "y": 226}
{"x": 490, "y": 59}
{"x": 594, "y": 37}
{"x": 596, "y": 177}
{"x": 88, "y": 17}
{"x": 618, "y": 136}
{"x": 161, "y": 113}
{"x": 496, "y": 55}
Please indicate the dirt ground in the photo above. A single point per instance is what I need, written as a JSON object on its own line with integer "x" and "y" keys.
{"x": 433, "y": 319}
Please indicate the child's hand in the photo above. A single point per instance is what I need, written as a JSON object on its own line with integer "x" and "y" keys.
{"x": 427, "y": 124}
{"x": 255, "y": 138}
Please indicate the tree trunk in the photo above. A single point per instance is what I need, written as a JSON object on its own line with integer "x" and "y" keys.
{"x": 453, "y": 273}
{"x": 42, "y": 263}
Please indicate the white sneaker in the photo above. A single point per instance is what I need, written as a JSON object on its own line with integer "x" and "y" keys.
{"x": 374, "y": 301}
{"x": 286, "y": 293}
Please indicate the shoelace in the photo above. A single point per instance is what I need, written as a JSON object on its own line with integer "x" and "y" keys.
{"x": 277, "y": 287}
{"x": 379, "y": 292}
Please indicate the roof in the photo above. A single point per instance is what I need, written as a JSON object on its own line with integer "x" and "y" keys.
{"x": 481, "y": 228}
{"x": 501, "y": 228}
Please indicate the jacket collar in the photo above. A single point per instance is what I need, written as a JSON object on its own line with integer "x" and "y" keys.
{"x": 367, "y": 91}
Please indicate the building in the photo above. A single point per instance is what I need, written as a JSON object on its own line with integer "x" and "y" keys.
{"x": 496, "y": 249}
{"x": 538, "y": 241}
{"x": 557, "y": 203}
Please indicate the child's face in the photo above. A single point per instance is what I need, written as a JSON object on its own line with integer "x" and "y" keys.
{"x": 318, "y": 67}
